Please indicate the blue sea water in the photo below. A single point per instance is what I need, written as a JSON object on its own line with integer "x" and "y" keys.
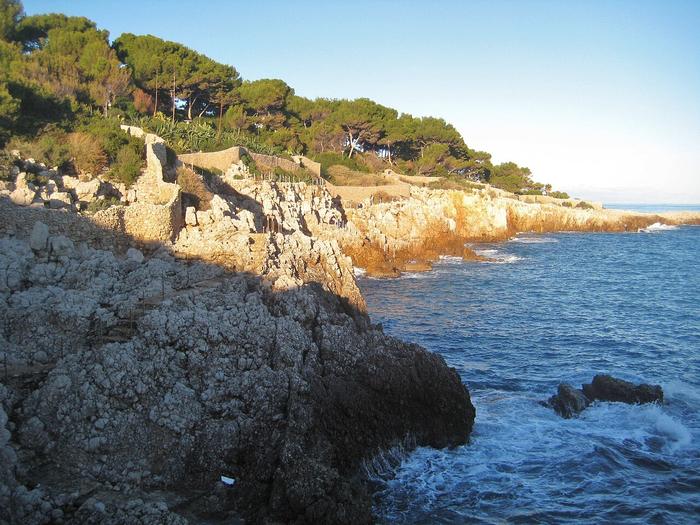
{"x": 654, "y": 208}
{"x": 556, "y": 308}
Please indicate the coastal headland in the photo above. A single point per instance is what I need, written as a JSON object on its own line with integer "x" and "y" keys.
{"x": 207, "y": 326}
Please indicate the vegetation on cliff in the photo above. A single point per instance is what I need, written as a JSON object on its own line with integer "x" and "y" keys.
{"x": 63, "y": 71}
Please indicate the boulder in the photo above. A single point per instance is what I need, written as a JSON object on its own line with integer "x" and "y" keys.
{"x": 23, "y": 196}
{"x": 88, "y": 191}
{"x": 61, "y": 245}
{"x": 21, "y": 182}
{"x": 204, "y": 217}
{"x": 60, "y": 199}
{"x": 191, "y": 216}
{"x": 607, "y": 388}
{"x": 568, "y": 401}
{"x": 134, "y": 255}
{"x": 219, "y": 208}
{"x": 39, "y": 238}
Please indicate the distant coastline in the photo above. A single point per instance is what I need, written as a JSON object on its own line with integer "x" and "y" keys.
{"x": 651, "y": 208}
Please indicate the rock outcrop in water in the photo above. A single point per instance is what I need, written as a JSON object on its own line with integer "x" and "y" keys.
{"x": 608, "y": 388}
{"x": 570, "y": 401}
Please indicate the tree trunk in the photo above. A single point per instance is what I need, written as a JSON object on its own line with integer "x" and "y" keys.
{"x": 388, "y": 147}
{"x": 173, "y": 96}
{"x": 221, "y": 115}
{"x": 155, "y": 106}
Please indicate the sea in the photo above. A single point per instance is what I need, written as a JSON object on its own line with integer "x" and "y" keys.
{"x": 548, "y": 309}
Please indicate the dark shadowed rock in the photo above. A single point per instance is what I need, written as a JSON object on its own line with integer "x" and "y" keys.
{"x": 568, "y": 401}
{"x": 608, "y": 388}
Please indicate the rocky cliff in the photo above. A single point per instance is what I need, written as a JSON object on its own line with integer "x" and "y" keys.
{"x": 408, "y": 233}
{"x": 151, "y": 347}
{"x": 131, "y": 385}
{"x": 211, "y": 363}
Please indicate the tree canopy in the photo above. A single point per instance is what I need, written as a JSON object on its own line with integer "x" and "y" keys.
{"x": 171, "y": 72}
{"x": 53, "y": 66}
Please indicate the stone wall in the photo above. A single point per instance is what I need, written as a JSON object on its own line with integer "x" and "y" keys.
{"x": 356, "y": 194}
{"x": 222, "y": 160}
{"x": 103, "y": 231}
{"x": 219, "y": 160}
{"x": 270, "y": 161}
{"x": 311, "y": 165}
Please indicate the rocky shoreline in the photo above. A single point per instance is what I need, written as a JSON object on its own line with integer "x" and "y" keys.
{"x": 151, "y": 349}
{"x": 130, "y": 385}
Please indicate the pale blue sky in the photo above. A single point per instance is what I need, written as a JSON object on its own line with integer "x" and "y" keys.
{"x": 599, "y": 98}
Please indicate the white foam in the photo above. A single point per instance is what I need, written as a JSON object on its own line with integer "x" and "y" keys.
{"x": 533, "y": 240}
{"x": 657, "y": 227}
{"x": 676, "y": 434}
{"x": 450, "y": 258}
{"x": 682, "y": 390}
{"x": 504, "y": 259}
{"x": 359, "y": 272}
{"x": 414, "y": 275}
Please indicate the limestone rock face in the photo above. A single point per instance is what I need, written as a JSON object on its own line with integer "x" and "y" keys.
{"x": 167, "y": 374}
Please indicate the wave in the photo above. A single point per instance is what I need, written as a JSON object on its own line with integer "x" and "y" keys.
{"x": 485, "y": 252}
{"x": 504, "y": 259}
{"x": 495, "y": 256}
{"x": 556, "y": 456}
{"x": 451, "y": 258}
{"x": 414, "y": 275}
{"x": 657, "y": 227}
{"x": 533, "y": 240}
{"x": 359, "y": 272}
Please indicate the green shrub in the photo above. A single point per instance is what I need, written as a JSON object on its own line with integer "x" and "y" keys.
{"x": 49, "y": 148}
{"x": 584, "y": 205}
{"x": 567, "y": 204}
{"x": 111, "y": 137}
{"x": 559, "y": 194}
{"x": 7, "y": 162}
{"x": 102, "y": 204}
{"x": 329, "y": 159}
{"x": 127, "y": 167}
{"x": 248, "y": 161}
